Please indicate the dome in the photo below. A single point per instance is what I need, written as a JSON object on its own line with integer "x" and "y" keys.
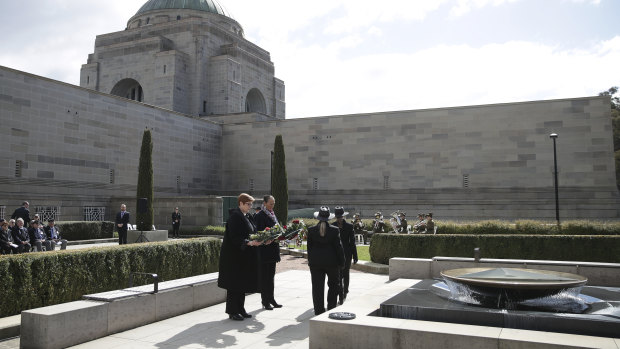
{"x": 201, "y": 5}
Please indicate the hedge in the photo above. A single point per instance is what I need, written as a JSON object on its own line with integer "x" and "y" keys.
{"x": 587, "y": 248}
{"x": 33, "y": 280}
{"x": 201, "y": 231}
{"x": 528, "y": 227}
{"x": 81, "y": 230}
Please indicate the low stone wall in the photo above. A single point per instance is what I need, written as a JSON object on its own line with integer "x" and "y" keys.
{"x": 103, "y": 314}
{"x": 137, "y": 236}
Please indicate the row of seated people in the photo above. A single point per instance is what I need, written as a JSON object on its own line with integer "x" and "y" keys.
{"x": 16, "y": 238}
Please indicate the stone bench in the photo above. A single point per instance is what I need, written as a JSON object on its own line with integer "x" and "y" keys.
{"x": 106, "y": 313}
{"x": 135, "y": 236}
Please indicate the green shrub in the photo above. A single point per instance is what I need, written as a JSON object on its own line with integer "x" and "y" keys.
{"x": 529, "y": 227}
{"x": 34, "y": 280}
{"x": 590, "y": 248}
{"x": 82, "y": 230}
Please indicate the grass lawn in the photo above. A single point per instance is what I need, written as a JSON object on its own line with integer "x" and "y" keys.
{"x": 362, "y": 251}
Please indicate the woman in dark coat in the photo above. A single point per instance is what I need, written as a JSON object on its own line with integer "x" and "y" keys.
{"x": 238, "y": 259}
{"x": 268, "y": 254}
{"x": 325, "y": 257}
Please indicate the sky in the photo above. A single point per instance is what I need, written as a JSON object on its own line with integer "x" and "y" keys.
{"x": 358, "y": 56}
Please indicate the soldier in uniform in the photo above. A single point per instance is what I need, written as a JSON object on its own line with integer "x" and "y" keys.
{"x": 378, "y": 225}
{"x": 350, "y": 251}
{"x": 420, "y": 226}
{"x": 430, "y": 224}
{"x": 402, "y": 228}
{"x": 358, "y": 227}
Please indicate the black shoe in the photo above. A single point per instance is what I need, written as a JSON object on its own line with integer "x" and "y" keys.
{"x": 275, "y": 305}
{"x": 267, "y": 306}
{"x": 236, "y": 317}
{"x": 246, "y": 315}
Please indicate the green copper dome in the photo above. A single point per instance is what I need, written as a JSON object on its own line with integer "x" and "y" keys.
{"x": 201, "y": 5}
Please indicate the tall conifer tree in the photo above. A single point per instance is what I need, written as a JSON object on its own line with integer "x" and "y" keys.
{"x": 144, "y": 221}
{"x": 279, "y": 181}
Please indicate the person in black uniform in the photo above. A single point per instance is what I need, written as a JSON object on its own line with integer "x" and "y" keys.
{"x": 347, "y": 238}
{"x": 238, "y": 271}
{"x": 176, "y": 222}
{"x": 325, "y": 257}
{"x": 269, "y": 255}
{"x": 122, "y": 219}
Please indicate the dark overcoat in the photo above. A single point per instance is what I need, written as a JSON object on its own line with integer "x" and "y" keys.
{"x": 267, "y": 253}
{"x": 347, "y": 237}
{"x": 238, "y": 261}
{"x": 325, "y": 251}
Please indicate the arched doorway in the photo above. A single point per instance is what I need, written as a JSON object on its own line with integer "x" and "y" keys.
{"x": 255, "y": 102}
{"x": 128, "y": 88}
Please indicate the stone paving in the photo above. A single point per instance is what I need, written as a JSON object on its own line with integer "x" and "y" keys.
{"x": 210, "y": 327}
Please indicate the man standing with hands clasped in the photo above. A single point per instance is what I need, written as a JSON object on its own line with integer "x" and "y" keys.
{"x": 122, "y": 219}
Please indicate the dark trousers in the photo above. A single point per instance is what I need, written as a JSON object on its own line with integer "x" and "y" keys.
{"x": 25, "y": 248}
{"x": 122, "y": 237}
{"x": 235, "y": 302}
{"x": 8, "y": 249}
{"x": 175, "y": 230}
{"x": 267, "y": 273}
{"x": 345, "y": 275}
{"x": 318, "y": 287}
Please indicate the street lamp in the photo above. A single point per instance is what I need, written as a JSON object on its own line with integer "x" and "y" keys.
{"x": 555, "y": 176}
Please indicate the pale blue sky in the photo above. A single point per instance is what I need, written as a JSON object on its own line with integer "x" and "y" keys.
{"x": 353, "y": 56}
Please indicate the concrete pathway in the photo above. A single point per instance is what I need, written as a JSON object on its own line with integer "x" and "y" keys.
{"x": 210, "y": 327}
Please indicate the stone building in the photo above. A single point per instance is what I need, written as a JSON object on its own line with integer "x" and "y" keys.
{"x": 214, "y": 107}
{"x": 186, "y": 56}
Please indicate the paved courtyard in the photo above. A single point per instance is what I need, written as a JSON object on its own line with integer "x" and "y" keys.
{"x": 210, "y": 327}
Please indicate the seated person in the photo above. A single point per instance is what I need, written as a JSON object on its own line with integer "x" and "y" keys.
{"x": 6, "y": 239}
{"x": 358, "y": 227}
{"x": 402, "y": 228}
{"x": 37, "y": 237}
{"x": 420, "y": 226}
{"x": 378, "y": 225}
{"x": 53, "y": 237}
{"x": 430, "y": 224}
{"x": 20, "y": 236}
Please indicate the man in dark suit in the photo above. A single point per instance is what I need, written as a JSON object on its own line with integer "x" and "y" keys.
{"x": 268, "y": 255}
{"x": 53, "y": 237}
{"x": 22, "y": 212}
{"x": 176, "y": 222}
{"x": 347, "y": 237}
{"x": 122, "y": 219}
{"x": 20, "y": 236}
{"x": 37, "y": 237}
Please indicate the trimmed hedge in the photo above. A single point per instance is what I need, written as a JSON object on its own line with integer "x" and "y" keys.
{"x": 201, "y": 231}
{"x": 591, "y": 248}
{"x": 33, "y": 280}
{"x": 82, "y": 230}
{"x": 529, "y": 227}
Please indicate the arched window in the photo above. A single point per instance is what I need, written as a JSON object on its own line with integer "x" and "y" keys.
{"x": 130, "y": 89}
{"x": 255, "y": 102}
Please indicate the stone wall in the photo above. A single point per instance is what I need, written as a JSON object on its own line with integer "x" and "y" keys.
{"x": 477, "y": 162}
{"x": 73, "y": 142}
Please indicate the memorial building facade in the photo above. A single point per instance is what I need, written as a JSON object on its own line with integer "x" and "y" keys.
{"x": 184, "y": 70}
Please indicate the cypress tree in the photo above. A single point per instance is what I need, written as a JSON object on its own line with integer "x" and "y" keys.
{"x": 279, "y": 181}
{"x": 144, "y": 221}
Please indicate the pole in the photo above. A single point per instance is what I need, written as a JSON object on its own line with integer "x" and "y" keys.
{"x": 555, "y": 175}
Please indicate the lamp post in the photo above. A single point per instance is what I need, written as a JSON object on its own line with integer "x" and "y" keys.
{"x": 271, "y": 174}
{"x": 555, "y": 176}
